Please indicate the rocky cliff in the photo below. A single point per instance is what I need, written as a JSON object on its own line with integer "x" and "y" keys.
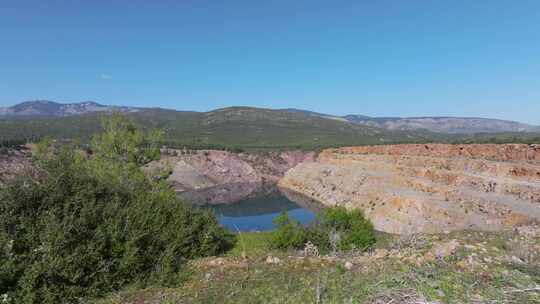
{"x": 212, "y": 176}
{"x": 427, "y": 188}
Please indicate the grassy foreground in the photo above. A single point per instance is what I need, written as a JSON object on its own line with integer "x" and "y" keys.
{"x": 464, "y": 267}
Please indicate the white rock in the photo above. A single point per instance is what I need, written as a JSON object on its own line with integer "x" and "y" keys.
{"x": 443, "y": 250}
{"x": 272, "y": 260}
{"x": 515, "y": 259}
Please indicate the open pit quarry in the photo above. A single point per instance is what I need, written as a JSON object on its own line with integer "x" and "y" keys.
{"x": 427, "y": 188}
{"x": 215, "y": 177}
{"x": 403, "y": 189}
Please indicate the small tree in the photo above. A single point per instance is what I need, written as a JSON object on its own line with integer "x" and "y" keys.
{"x": 91, "y": 225}
{"x": 289, "y": 233}
{"x": 123, "y": 141}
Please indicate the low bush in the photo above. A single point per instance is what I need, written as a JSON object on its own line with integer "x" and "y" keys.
{"x": 288, "y": 234}
{"x": 335, "y": 229}
{"x": 350, "y": 229}
{"x": 91, "y": 225}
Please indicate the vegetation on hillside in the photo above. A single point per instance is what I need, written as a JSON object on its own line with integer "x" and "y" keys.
{"x": 92, "y": 224}
{"x": 496, "y": 138}
{"x": 240, "y": 128}
{"x": 336, "y": 229}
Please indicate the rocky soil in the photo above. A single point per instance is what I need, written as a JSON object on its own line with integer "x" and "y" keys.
{"x": 14, "y": 163}
{"x": 427, "y": 188}
{"x": 459, "y": 267}
{"x": 212, "y": 176}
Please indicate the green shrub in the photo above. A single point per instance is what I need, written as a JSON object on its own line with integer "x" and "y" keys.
{"x": 88, "y": 226}
{"x": 336, "y": 229}
{"x": 352, "y": 228}
{"x": 289, "y": 233}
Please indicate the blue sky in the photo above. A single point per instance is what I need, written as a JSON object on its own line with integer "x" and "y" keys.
{"x": 379, "y": 58}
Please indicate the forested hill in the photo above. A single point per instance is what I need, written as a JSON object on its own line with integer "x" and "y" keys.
{"x": 235, "y": 126}
{"x": 240, "y": 127}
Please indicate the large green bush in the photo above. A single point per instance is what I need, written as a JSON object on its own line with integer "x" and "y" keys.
{"x": 335, "y": 229}
{"x": 93, "y": 224}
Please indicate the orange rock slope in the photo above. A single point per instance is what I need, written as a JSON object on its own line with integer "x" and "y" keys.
{"x": 427, "y": 188}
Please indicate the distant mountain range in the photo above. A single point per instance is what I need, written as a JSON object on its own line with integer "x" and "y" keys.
{"x": 449, "y": 125}
{"x": 232, "y": 127}
{"x": 438, "y": 124}
{"x": 54, "y": 109}
{"x": 257, "y": 127}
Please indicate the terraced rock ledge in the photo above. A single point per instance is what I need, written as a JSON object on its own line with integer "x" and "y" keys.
{"x": 427, "y": 188}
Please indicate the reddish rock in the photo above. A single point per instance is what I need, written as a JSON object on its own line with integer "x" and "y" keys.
{"x": 427, "y": 188}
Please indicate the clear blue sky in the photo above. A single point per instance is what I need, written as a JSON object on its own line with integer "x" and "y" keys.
{"x": 380, "y": 58}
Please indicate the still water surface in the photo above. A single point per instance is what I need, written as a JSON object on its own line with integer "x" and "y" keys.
{"x": 257, "y": 213}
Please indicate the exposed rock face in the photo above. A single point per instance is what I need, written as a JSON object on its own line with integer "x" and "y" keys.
{"x": 427, "y": 188}
{"x": 211, "y": 176}
{"x": 14, "y": 164}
